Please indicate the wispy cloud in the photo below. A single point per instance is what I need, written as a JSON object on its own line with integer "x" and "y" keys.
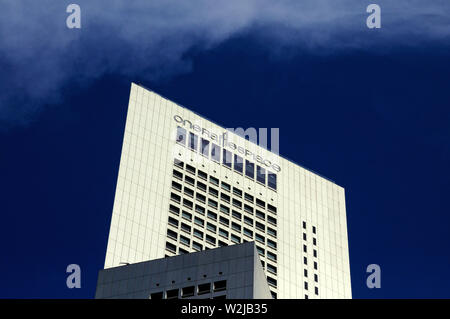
{"x": 39, "y": 54}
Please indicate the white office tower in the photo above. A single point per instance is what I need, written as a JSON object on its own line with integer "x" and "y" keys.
{"x": 186, "y": 184}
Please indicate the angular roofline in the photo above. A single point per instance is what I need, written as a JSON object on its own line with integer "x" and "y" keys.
{"x": 284, "y": 157}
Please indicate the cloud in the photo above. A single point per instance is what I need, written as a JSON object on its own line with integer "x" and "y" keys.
{"x": 39, "y": 55}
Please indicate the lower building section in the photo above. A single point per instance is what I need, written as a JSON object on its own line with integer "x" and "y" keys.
{"x": 230, "y": 272}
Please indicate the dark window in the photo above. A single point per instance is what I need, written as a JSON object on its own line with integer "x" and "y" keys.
{"x": 156, "y": 295}
{"x": 316, "y": 290}
{"x": 182, "y": 251}
{"x": 188, "y": 191}
{"x": 199, "y": 221}
{"x": 187, "y": 291}
{"x": 306, "y": 285}
{"x": 260, "y": 238}
{"x": 186, "y": 228}
{"x": 314, "y": 241}
{"x": 237, "y": 192}
{"x": 211, "y": 227}
{"x": 172, "y": 234}
{"x": 226, "y": 186}
{"x": 316, "y": 278}
{"x": 315, "y": 265}
{"x": 235, "y": 239}
{"x": 188, "y": 203}
{"x": 237, "y": 203}
{"x": 172, "y": 294}
{"x": 181, "y": 136}
{"x": 210, "y": 239}
{"x": 271, "y": 208}
{"x": 212, "y": 215}
{"x": 238, "y": 163}
{"x": 173, "y": 221}
{"x": 214, "y": 180}
{"x": 223, "y": 233}
{"x": 177, "y": 174}
{"x": 201, "y": 186}
{"x": 236, "y": 227}
{"x": 271, "y": 244}
{"x": 260, "y": 214}
{"x": 260, "y": 174}
{"x": 213, "y": 192}
{"x": 274, "y": 295}
{"x": 225, "y": 197}
{"x": 200, "y": 197}
{"x": 249, "y": 169}
{"x": 197, "y": 246}
{"x": 175, "y": 197}
{"x": 304, "y": 249}
{"x": 202, "y": 174}
{"x": 185, "y": 240}
{"x": 220, "y": 285}
{"x": 272, "y": 269}
{"x": 272, "y": 232}
{"x": 260, "y": 251}
{"x": 272, "y": 181}
{"x": 248, "y": 232}
{"x": 215, "y": 153}
{"x": 178, "y": 163}
{"x": 199, "y": 209}
{"x": 236, "y": 215}
{"x": 189, "y": 180}
{"x": 198, "y": 233}
{"x": 314, "y": 229}
{"x": 193, "y": 141}
{"x": 271, "y": 281}
{"x": 248, "y": 220}
{"x": 271, "y": 256}
{"x": 227, "y": 158}
{"x": 260, "y": 203}
{"x": 204, "y": 289}
{"x": 248, "y": 209}
{"x": 271, "y": 220}
{"x": 305, "y": 272}
{"x": 305, "y": 260}
{"x": 304, "y": 236}
{"x": 186, "y": 215}
{"x": 315, "y": 253}
{"x": 212, "y": 203}
{"x": 260, "y": 226}
{"x": 190, "y": 169}
{"x": 171, "y": 247}
{"x": 224, "y": 221}
{"x": 224, "y": 209}
{"x": 248, "y": 197}
{"x": 176, "y": 185}
{"x": 174, "y": 209}
{"x": 205, "y": 148}
{"x": 304, "y": 225}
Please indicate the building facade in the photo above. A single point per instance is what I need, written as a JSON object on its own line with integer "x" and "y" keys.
{"x": 185, "y": 184}
{"x": 232, "y": 272}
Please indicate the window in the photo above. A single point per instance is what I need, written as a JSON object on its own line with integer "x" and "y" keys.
{"x": 220, "y": 285}
{"x": 226, "y": 186}
{"x": 304, "y": 236}
{"x": 305, "y": 260}
{"x": 176, "y": 185}
{"x": 212, "y": 203}
{"x": 214, "y": 192}
{"x": 306, "y": 285}
{"x": 156, "y": 295}
{"x": 237, "y": 203}
{"x": 199, "y": 209}
{"x": 316, "y": 290}
{"x": 178, "y": 163}
{"x": 314, "y": 229}
{"x": 260, "y": 203}
{"x": 305, "y": 249}
{"x": 274, "y": 295}
{"x": 212, "y": 215}
{"x": 304, "y": 225}
{"x": 171, "y": 247}
{"x": 201, "y": 186}
{"x": 271, "y": 281}
{"x": 272, "y": 181}
{"x": 187, "y": 291}
{"x": 174, "y": 209}
{"x": 190, "y": 169}
{"x": 315, "y": 253}
{"x": 260, "y": 214}
{"x": 188, "y": 191}
{"x": 235, "y": 239}
{"x": 205, "y": 148}
{"x": 181, "y": 136}
{"x": 316, "y": 278}
{"x": 200, "y": 197}
{"x": 188, "y": 203}
{"x": 189, "y": 180}
{"x": 175, "y": 197}
{"x": 236, "y": 214}
{"x": 186, "y": 215}
{"x": 271, "y": 244}
{"x": 249, "y": 169}
{"x": 248, "y": 197}
{"x": 314, "y": 241}
{"x": 260, "y": 251}
{"x": 204, "y": 289}
{"x": 214, "y": 180}
{"x": 172, "y": 234}
{"x": 185, "y": 240}
{"x": 224, "y": 209}
{"x": 260, "y": 174}
{"x": 193, "y": 141}
{"x": 210, "y": 239}
{"x": 197, "y": 246}
{"x": 211, "y": 227}
{"x": 237, "y": 192}
{"x": 173, "y": 221}
{"x": 227, "y": 158}
{"x": 260, "y": 226}
{"x": 215, "y": 152}
{"x": 224, "y": 221}
{"x": 248, "y": 209}
{"x": 199, "y": 221}
{"x": 248, "y": 220}
{"x": 305, "y": 272}
{"x": 315, "y": 265}
{"x": 260, "y": 238}
{"x": 182, "y": 251}
{"x": 272, "y": 232}
{"x": 198, "y": 233}
{"x": 271, "y": 256}
{"x": 271, "y": 208}
{"x": 172, "y": 294}
{"x": 186, "y": 228}
{"x": 236, "y": 227}
{"x": 202, "y": 175}
{"x": 238, "y": 163}
{"x": 272, "y": 269}
{"x": 177, "y": 174}
{"x": 248, "y": 232}
{"x": 271, "y": 220}
{"x": 223, "y": 233}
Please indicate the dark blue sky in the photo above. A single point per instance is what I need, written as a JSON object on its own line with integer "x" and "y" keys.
{"x": 377, "y": 123}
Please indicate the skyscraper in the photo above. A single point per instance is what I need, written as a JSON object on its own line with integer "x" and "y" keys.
{"x": 185, "y": 184}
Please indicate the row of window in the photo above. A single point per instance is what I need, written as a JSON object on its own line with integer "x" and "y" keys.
{"x": 305, "y": 259}
{"x": 223, "y": 185}
{"x": 228, "y": 159}
{"x": 191, "y": 291}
